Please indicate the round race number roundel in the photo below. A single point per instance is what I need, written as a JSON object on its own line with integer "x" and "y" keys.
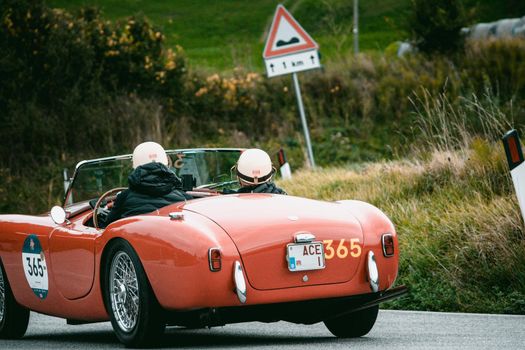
{"x": 35, "y": 267}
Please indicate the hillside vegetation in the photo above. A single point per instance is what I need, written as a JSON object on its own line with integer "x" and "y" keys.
{"x": 227, "y": 34}
{"x": 460, "y": 229}
{"x": 461, "y": 235}
{"x": 416, "y": 136}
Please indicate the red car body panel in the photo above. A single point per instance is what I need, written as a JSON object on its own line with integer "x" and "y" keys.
{"x": 257, "y": 233}
{"x": 251, "y": 228}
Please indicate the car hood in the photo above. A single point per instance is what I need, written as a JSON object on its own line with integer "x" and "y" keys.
{"x": 261, "y": 226}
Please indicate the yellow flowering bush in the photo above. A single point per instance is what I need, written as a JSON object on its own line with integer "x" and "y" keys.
{"x": 125, "y": 55}
{"x": 57, "y": 68}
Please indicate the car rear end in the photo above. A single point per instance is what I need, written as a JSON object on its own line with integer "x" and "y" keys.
{"x": 292, "y": 249}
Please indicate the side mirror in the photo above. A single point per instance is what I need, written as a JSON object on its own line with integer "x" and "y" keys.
{"x": 58, "y": 215}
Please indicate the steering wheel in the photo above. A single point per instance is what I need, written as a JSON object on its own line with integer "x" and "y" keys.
{"x": 100, "y": 200}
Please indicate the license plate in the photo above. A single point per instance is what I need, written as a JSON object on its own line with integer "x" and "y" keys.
{"x": 305, "y": 256}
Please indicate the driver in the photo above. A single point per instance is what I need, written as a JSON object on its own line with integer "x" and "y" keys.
{"x": 255, "y": 172}
{"x": 152, "y": 184}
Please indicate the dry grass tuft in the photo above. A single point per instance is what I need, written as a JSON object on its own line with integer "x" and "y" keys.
{"x": 461, "y": 232}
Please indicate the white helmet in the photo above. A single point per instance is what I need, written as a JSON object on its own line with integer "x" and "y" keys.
{"x": 148, "y": 152}
{"x": 254, "y": 167}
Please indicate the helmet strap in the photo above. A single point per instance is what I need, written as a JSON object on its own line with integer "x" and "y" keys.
{"x": 255, "y": 180}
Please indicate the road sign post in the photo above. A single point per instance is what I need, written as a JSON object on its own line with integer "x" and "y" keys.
{"x": 288, "y": 50}
{"x": 303, "y": 120}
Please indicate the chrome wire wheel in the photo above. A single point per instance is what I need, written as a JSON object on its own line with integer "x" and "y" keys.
{"x": 124, "y": 291}
{"x": 136, "y": 316}
{"x": 2, "y": 296}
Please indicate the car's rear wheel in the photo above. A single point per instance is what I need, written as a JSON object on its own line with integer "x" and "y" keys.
{"x": 135, "y": 314}
{"x": 13, "y": 317}
{"x": 353, "y": 325}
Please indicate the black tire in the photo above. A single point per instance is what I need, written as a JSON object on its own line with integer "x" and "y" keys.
{"x": 148, "y": 325}
{"x": 13, "y": 317}
{"x": 353, "y": 325}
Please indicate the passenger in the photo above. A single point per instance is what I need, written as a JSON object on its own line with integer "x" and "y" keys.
{"x": 152, "y": 185}
{"x": 255, "y": 172}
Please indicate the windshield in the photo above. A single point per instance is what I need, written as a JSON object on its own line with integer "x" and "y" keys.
{"x": 211, "y": 168}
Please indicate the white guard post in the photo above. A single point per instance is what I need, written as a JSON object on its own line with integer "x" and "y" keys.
{"x": 512, "y": 145}
{"x": 288, "y": 50}
{"x": 284, "y": 166}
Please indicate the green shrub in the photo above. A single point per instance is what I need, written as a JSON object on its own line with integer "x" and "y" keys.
{"x": 61, "y": 73}
{"x": 497, "y": 64}
{"x": 435, "y": 25}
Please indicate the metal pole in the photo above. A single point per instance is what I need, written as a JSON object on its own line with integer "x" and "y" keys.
{"x": 356, "y": 27}
{"x": 303, "y": 120}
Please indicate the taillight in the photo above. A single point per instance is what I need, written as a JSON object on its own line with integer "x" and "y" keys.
{"x": 214, "y": 258}
{"x": 388, "y": 244}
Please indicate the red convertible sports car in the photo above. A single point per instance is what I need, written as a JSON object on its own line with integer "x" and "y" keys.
{"x": 217, "y": 259}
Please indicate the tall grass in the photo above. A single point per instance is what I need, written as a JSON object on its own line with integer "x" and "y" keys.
{"x": 462, "y": 238}
{"x": 445, "y": 126}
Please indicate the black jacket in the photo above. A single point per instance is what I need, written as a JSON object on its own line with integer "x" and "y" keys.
{"x": 151, "y": 186}
{"x": 267, "y": 187}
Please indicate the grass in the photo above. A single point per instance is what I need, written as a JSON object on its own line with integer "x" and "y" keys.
{"x": 462, "y": 244}
{"x": 461, "y": 233}
{"x": 225, "y": 34}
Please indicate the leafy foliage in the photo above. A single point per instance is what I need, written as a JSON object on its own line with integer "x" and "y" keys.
{"x": 436, "y": 25}
{"x": 59, "y": 71}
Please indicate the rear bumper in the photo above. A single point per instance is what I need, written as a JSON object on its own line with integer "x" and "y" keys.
{"x": 305, "y": 312}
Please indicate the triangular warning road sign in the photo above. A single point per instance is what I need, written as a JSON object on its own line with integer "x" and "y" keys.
{"x": 286, "y": 36}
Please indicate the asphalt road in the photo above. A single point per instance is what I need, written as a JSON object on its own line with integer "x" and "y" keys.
{"x": 393, "y": 330}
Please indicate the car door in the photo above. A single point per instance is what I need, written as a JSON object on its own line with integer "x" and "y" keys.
{"x": 72, "y": 251}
